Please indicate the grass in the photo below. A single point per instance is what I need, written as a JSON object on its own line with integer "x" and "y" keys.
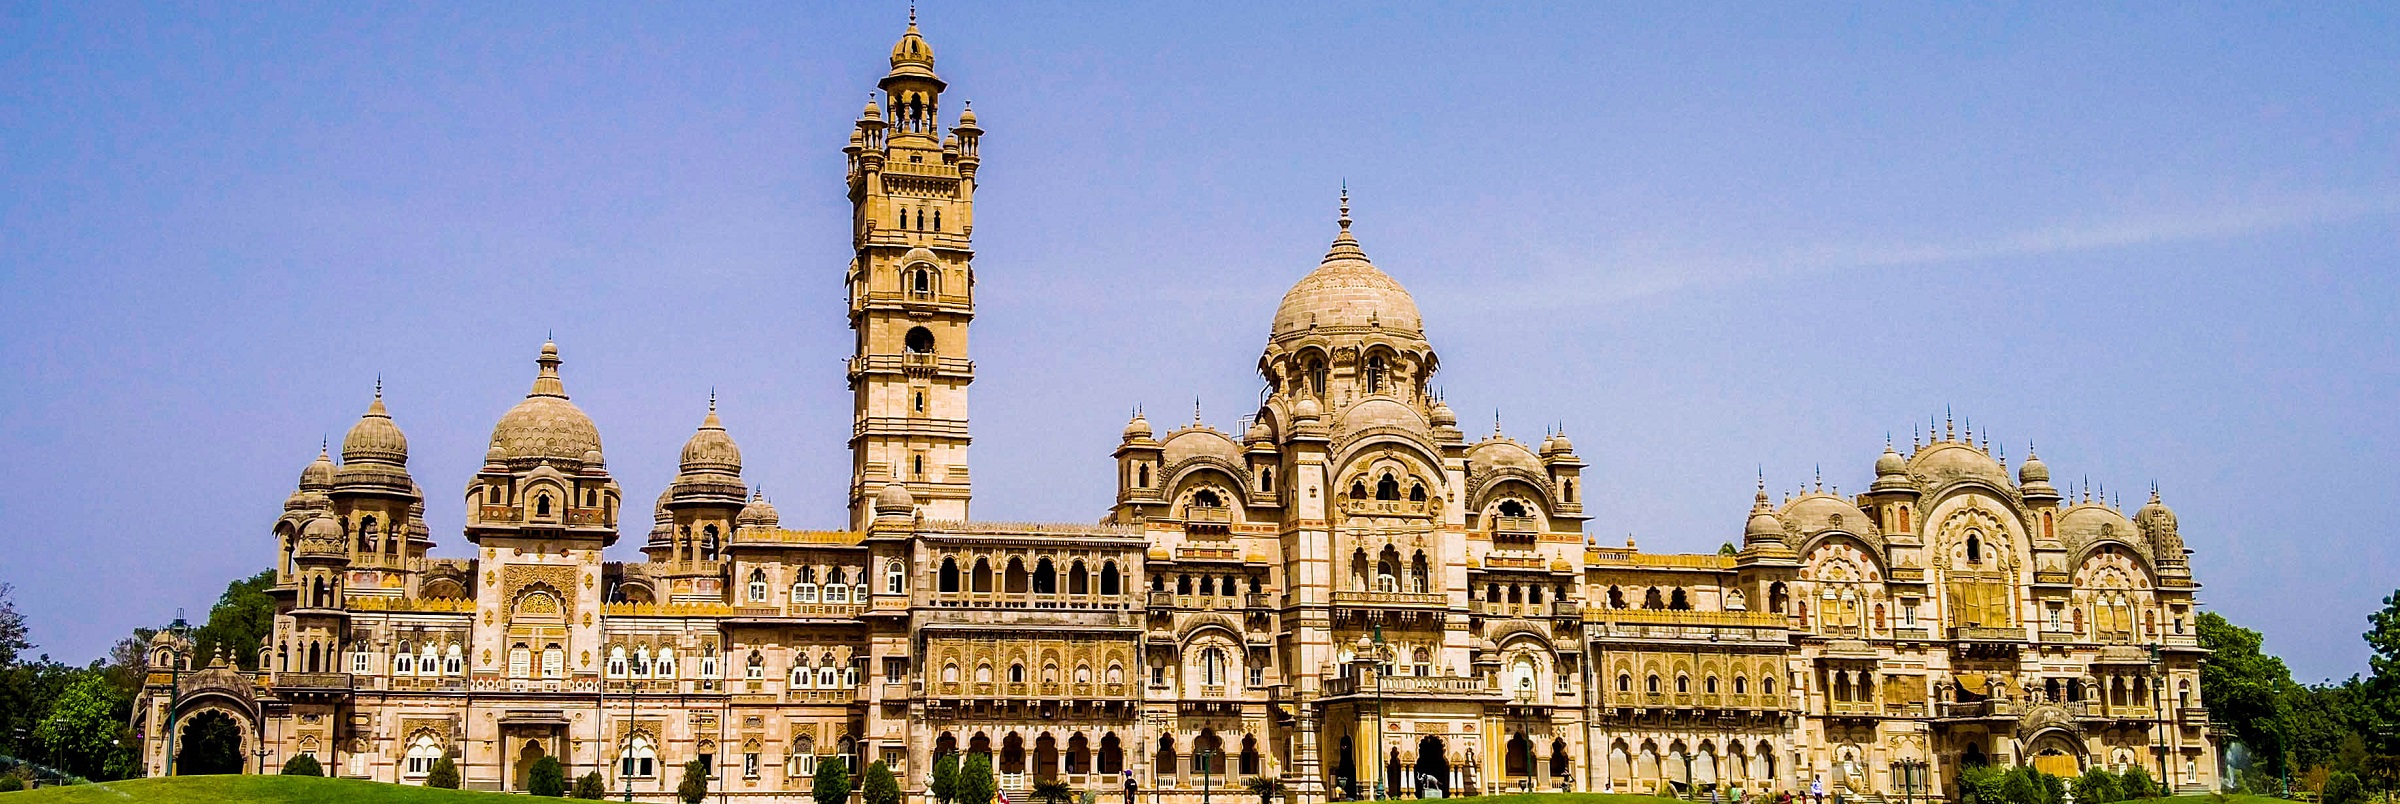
{"x": 259, "y": 789}
{"x": 1563, "y": 798}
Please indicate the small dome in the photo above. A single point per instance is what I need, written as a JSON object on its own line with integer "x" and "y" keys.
{"x": 912, "y": 49}
{"x": 318, "y": 476}
{"x": 1890, "y": 463}
{"x": 1764, "y": 525}
{"x": 759, "y": 513}
{"x": 894, "y": 500}
{"x": 1561, "y": 443}
{"x": 710, "y": 449}
{"x": 1137, "y": 428}
{"x": 375, "y": 438}
{"x": 873, "y": 111}
{"x": 2034, "y": 470}
{"x": 966, "y": 118}
{"x": 2155, "y": 514}
{"x": 1259, "y": 432}
{"x": 661, "y": 515}
{"x": 1346, "y": 290}
{"x": 546, "y": 425}
{"x": 1443, "y": 416}
{"x": 1307, "y": 409}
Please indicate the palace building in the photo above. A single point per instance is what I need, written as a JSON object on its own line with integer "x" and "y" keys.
{"x": 1351, "y": 594}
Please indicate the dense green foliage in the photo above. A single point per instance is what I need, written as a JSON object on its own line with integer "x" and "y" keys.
{"x": 590, "y": 787}
{"x": 444, "y": 774}
{"x": 879, "y": 787}
{"x": 1053, "y": 791}
{"x": 547, "y": 778}
{"x": 1268, "y": 788}
{"x": 831, "y": 785}
{"x": 303, "y": 765}
{"x": 694, "y": 786}
{"x": 254, "y": 789}
{"x": 240, "y": 622}
{"x": 975, "y": 784}
{"x": 944, "y": 785}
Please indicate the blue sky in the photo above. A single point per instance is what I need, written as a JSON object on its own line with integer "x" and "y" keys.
{"x": 2159, "y": 241}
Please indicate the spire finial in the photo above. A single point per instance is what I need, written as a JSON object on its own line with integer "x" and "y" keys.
{"x": 1949, "y": 431}
{"x": 712, "y": 399}
{"x": 1195, "y": 410}
{"x": 912, "y": 13}
{"x": 1345, "y": 219}
{"x": 1495, "y": 421}
{"x": 378, "y": 385}
{"x": 1820, "y": 477}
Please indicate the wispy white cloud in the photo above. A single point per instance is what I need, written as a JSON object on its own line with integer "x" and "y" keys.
{"x": 1626, "y": 270}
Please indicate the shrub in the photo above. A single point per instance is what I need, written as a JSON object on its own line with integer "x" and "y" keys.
{"x": 303, "y": 765}
{"x": 1984, "y": 784}
{"x": 879, "y": 787}
{"x": 1266, "y": 788}
{"x": 2023, "y": 786}
{"x": 694, "y": 786}
{"x": 2342, "y": 787}
{"x": 832, "y": 783}
{"x": 590, "y": 787}
{"x": 2135, "y": 784}
{"x": 1053, "y": 791}
{"x": 9, "y": 783}
{"x": 444, "y": 774}
{"x": 547, "y": 778}
{"x": 2097, "y": 786}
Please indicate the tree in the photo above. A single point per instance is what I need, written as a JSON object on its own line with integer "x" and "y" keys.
{"x": 1053, "y": 791}
{"x": 2242, "y": 686}
{"x": 303, "y": 765}
{"x": 546, "y": 778}
{"x": 1266, "y": 788}
{"x": 975, "y": 784}
{"x": 945, "y": 778}
{"x": 2097, "y": 786}
{"x": 2383, "y": 687}
{"x": 444, "y": 774}
{"x": 12, "y": 628}
{"x": 83, "y": 732}
{"x": 241, "y": 620}
{"x": 694, "y": 786}
{"x": 2023, "y": 786}
{"x": 1984, "y": 784}
{"x": 590, "y": 787}
{"x": 879, "y": 787}
{"x": 832, "y": 783}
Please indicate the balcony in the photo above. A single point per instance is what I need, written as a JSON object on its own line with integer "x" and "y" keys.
{"x": 1259, "y": 601}
{"x": 1357, "y": 599}
{"x": 1207, "y": 515}
{"x": 1523, "y": 525}
{"x": 1854, "y": 708}
{"x": 313, "y": 681}
{"x": 1918, "y": 634}
{"x": 1979, "y": 633}
{"x": 1968, "y": 710}
{"x": 1411, "y": 686}
{"x": 1386, "y": 508}
{"x": 2191, "y": 717}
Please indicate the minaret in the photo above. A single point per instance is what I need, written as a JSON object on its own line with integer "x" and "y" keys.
{"x": 912, "y": 290}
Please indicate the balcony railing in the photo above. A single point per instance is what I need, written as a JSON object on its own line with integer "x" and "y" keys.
{"x": 1207, "y": 515}
{"x": 2192, "y": 716}
{"x": 1982, "y": 633}
{"x": 1411, "y": 685}
{"x": 1415, "y": 599}
{"x": 312, "y": 681}
{"x": 1853, "y": 708}
{"x": 1515, "y": 524}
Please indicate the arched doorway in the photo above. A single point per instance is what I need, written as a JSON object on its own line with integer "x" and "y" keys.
{"x": 210, "y": 743}
{"x": 1433, "y": 769}
{"x": 2056, "y": 753}
{"x": 526, "y": 757}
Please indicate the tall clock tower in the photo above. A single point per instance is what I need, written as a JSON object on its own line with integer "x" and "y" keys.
{"x": 912, "y": 289}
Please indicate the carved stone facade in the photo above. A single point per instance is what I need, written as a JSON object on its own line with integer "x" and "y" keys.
{"x": 1348, "y": 593}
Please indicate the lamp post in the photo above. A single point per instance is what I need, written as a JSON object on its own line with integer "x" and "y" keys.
{"x": 1524, "y": 714}
{"x": 1383, "y": 768}
{"x": 1207, "y": 757}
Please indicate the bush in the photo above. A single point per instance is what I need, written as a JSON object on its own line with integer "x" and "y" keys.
{"x": 2023, "y": 786}
{"x": 303, "y": 765}
{"x": 945, "y": 778}
{"x": 444, "y": 774}
{"x": 2135, "y": 785}
{"x": 879, "y": 786}
{"x": 591, "y": 787}
{"x": 832, "y": 783}
{"x": 2097, "y": 786}
{"x": 547, "y": 778}
{"x": 9, "y": 783}
{"x": 1053, "y": 791}
{"x": 694, "y": 787}
{"x": 1984, "y": 784}
{"x": 2343, "y": 788}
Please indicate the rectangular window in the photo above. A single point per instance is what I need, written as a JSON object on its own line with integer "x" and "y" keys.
{"x": 1908, "y": 613}
{"x": 2056, "y": 612}
{"x": 1258, "y": 675}
{"x": 1158, "y": 675}
{"x": 895, "y": 670}
{"x": 358, "y": 662}
{"x": 750, "y": 765}
{"x": 709, "y": 761}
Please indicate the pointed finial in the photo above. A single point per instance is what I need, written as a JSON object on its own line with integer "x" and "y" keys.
{"x": 1913, "y": 433}
{"x": 1195, "y": 410}
{"x": 712, "y": 399}
{"x": 1495, "y": 421}
{"x": 2029, "y": 453}
{"x": 1344, "y": 220}
{"x": 1949, "y": 432}
{"x": 912, "y": 13}
{"x": 1820, "y": 477}
{"x": 378, "y": 385}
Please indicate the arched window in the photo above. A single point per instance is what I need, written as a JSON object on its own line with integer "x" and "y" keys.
{"x": 1316, "y": 376}
{"x": 1108, "y": 578}
{"x": 757, "y": 668}
{"x": 1183, "y": 584}
{"x": 1766, "y": 685}
{"x": 920, "y": 282}
{"x": 665, "y": 668}
{"x": 455, "y": 663}
{"x": 1079, "y": 581}
{"x": 1974, "y": 548}
{"x": 1387, "y": 488}
{"x": 1512, "y": 508}
{"x": 403, "y": 662}
{"x": 1208, "y": 584}
{"x": 1741, "y": 685}
{"x": 1709, "y": 685}
{"x": 983, "y": 574}
{"x": 1045, "y": 578}
{"x": 835, "y": 590}
{"x": 1266, "y": 478}
{"x": 422, "y": 753}
{"x": 554, "y": 662}
{"x": 639, "y": 760}
{"x": 1624, "y": 682}
{"x": 1616, "y": 598}
{"x": 1683, "y": 684}
{"x": 803, "y": 676}
{"x": 1206, "y": 498}
{"x": 804, "y": 590}
{"x": 1375, "y": 374}
{"x": 937, "y": 220}
{"x": 541, "y": 505}
{"x": 949, "y": 582}
{"x": 918, "y": 341}
{"x": 1420, "y": 575}
{"x": 1212, "y": 667}
{"x": 1679, "y": 602}
{"x": 641, "y": 663}
{"x": 1016, "y": 673}
{"x": 1653, "y": 682}
{"x": 758, "y": 586}
{"x": 1141, "y": 476}
{"x": 1416, "y": 492}
{"x": 895, "y": 577}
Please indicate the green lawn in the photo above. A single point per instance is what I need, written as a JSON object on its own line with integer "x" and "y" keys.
{"x": 244, "y": 789}
{"x": 1556, "y": 798}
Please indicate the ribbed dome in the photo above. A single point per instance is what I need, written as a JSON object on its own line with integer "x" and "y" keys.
{"x": 1764, "y": 525}
{"x": 895, "y": 500}
{"x": 318, "y": 476}
{"x": 546, "y": 425}
{"x": 710, "y": 448}
{"x": 375, "y": 438}
{"x": 1137, "y": 428}
{"x": 912, "y": 55}
{"x": 1346, "y": 290}
{"x": 759, "y": 513}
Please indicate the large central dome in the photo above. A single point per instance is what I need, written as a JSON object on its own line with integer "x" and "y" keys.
{"x": 546, "y": 425}
{"x": 1347, "y": 291}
